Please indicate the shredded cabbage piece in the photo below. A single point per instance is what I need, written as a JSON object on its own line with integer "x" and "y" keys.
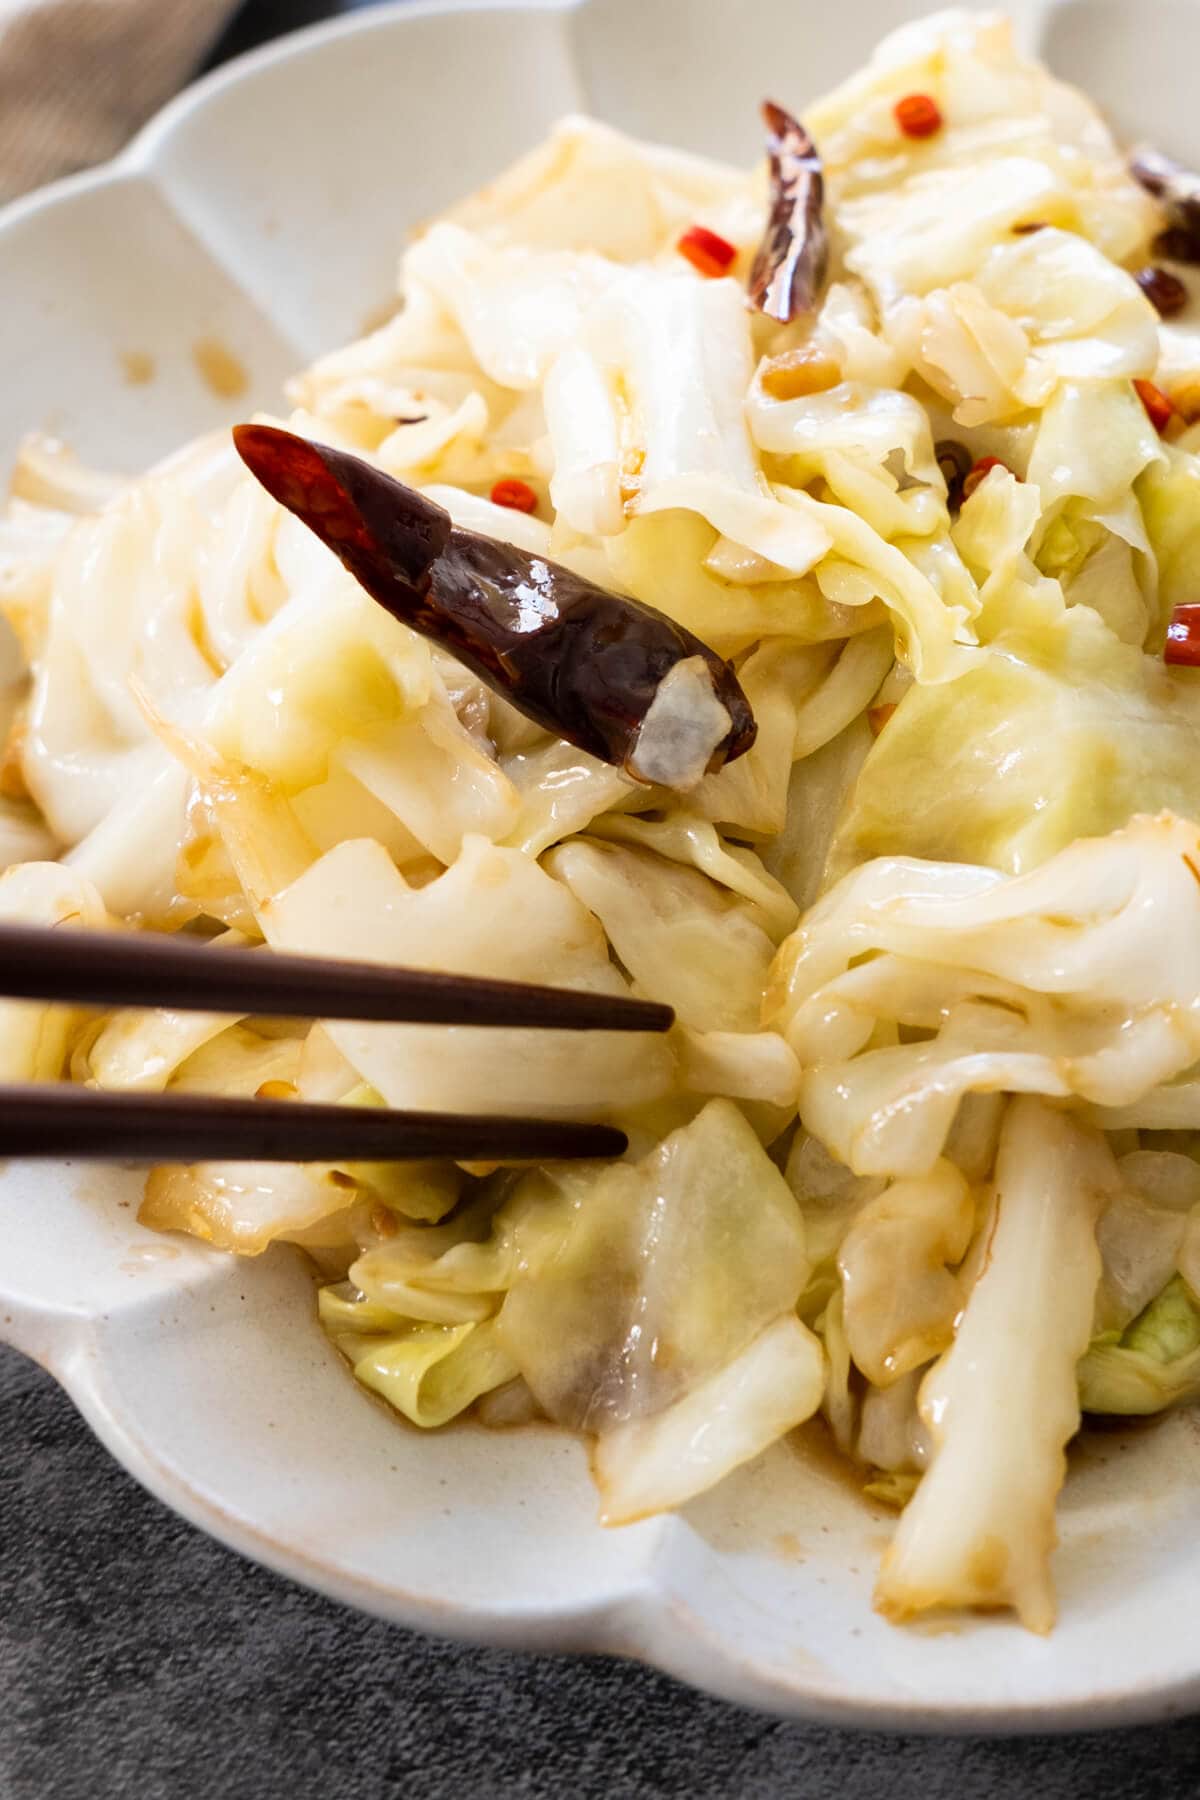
{"x": 649, "y": 1465}
{"x": 1153, "y": 1364}
{"x": 1071, "y": 980}
{"x": 1002, "y": 1403}
{"x": 900, "y": 1299}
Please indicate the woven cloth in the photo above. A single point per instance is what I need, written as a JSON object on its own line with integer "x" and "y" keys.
{"x": 77, "y": 77}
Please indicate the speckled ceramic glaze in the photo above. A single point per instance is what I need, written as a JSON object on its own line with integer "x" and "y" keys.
{"x": 263, "y": 210}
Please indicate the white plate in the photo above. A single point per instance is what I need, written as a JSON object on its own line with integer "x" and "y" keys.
{"x": 264, "y": 208}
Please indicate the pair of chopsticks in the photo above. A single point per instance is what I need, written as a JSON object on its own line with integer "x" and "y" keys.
{"x": 111, "y": 969}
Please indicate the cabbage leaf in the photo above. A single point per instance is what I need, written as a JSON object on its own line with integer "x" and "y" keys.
{"x": 1002, "y": 1403}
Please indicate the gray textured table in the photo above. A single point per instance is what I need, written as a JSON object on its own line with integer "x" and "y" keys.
{"x": 139, "y": 1660}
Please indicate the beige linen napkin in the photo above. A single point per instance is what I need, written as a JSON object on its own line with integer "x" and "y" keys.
{"x": 77, "y": 77}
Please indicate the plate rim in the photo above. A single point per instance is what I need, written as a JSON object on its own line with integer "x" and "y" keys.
{"x": 642, "y": 1621}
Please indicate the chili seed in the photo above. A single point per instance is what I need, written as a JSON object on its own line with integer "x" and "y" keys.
{"x": 276, "y": 1090}
{"x": 797, "y": 373}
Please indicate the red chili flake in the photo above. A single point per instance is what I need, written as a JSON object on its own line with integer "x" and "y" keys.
{"x": 1183, "y": 638}
{"x": 978, "y": 470}
{"x": 878, "y": 716}
{"x": 1159, "y": 410}
{"x": 517, "y": 494}
{"x": 708, "y": 253}
{"x": 918, "y": 115}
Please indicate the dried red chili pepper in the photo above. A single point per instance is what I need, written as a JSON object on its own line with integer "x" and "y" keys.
{"x": 918, "y": 115}
{"x": 614, "y": 677}
{"x": 790, "y": 266}
{"x": 514, "y": 493}
{"x": 708, "y": 253}
{"x": 1159, "y": 409}
{"x": 1179, "y": 190}
{"x": 1165, "y": 292}
{"x": 1183, "y": 638}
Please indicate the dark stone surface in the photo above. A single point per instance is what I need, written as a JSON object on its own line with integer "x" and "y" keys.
{"x": 258, "y": 21}
{"x": 140, "y": 1661}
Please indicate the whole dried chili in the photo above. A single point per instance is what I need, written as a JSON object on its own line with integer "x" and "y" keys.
{"x": 792, "y": 260}
{"x": 613, "y": 676}
{"x": 1179, "y": 191}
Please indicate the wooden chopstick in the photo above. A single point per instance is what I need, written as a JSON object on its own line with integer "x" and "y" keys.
{"x": 58, "y": 1120}
{"x": 97, "y": 968}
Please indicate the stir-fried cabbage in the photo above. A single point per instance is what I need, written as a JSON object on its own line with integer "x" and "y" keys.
{"x": 491, "y": 909}
{"x": 919, "y": 1153}
{"x": 912, "y": 984}
{"x": 1063, "y": 733}
{"x": 900, "y": 1299}
{"x": 703, "y": 1239}
{"x": 1153, "y": 1364}
{"x": 34, "y": 1039}
{"x": 1002, "y": 1403}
